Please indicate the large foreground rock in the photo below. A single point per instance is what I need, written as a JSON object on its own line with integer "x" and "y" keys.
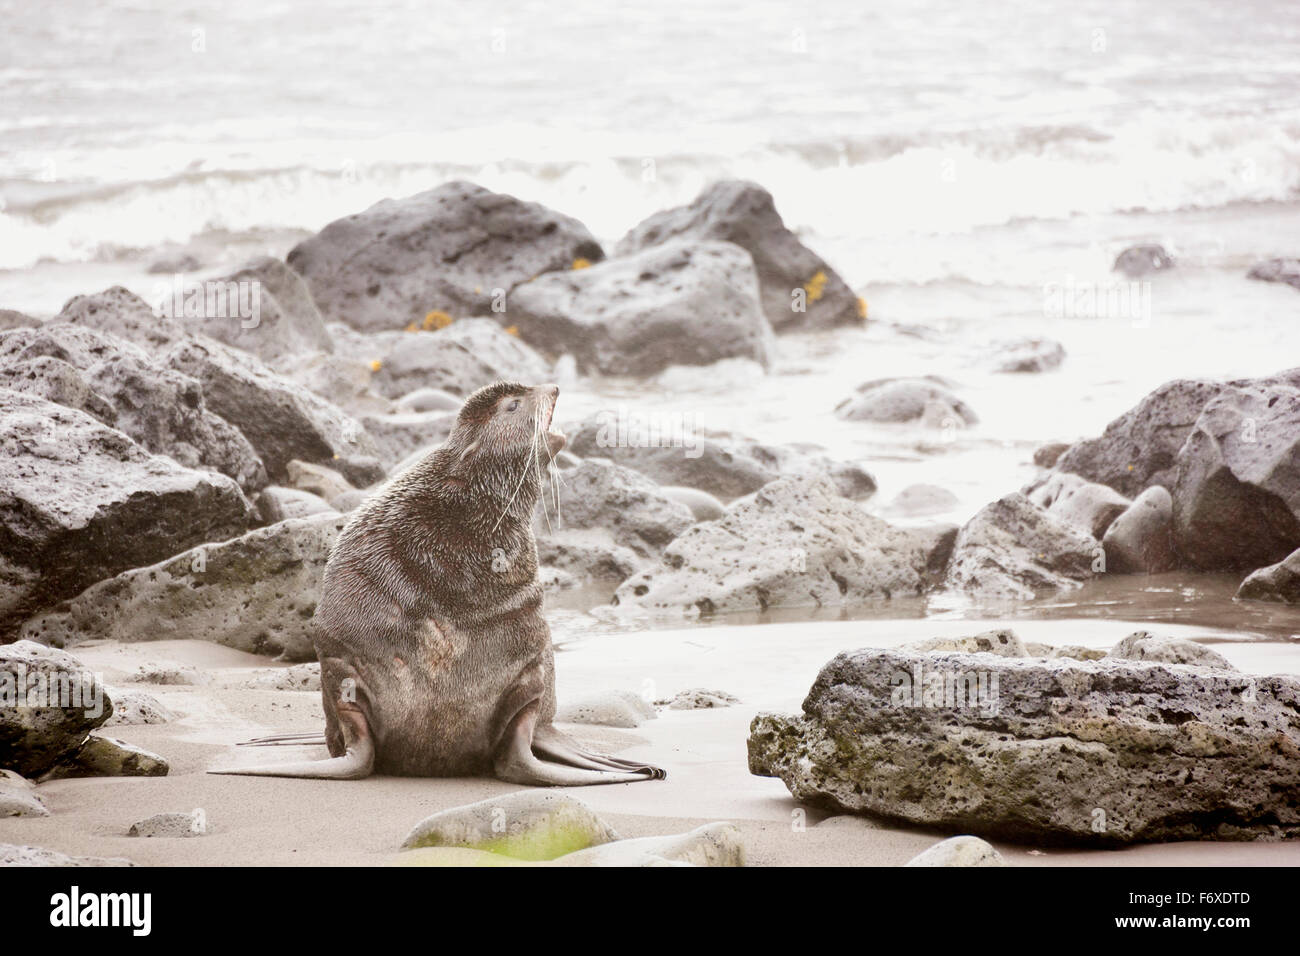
{"x": 1104, "y": 752}
{"x": 449, "y": 249}
{"x": 80, "y": 502}
{"x": 682, "y": 303}
{"x": 1278, "y": 582}
{"x": 49, "y": 704}
{"x": 116, "y": 382}
{"x": 255, "y": 593}
{"x": 1086, "y": 505}
{"x": 795, "y": 543}
{"x": 1015, "y": 549}
{"x": 743, "y": 213}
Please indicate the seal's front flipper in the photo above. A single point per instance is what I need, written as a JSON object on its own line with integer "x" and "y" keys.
{"x": 516, "y": 762}
{"x": 357, "y": 761}
{"x": 551, "y": 744}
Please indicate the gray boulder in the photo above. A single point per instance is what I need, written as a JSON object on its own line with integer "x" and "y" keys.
{"x": 283, "y": 421}
{"x": 114, "y": 381}
{"x": 80, "y": 502}
{"x": 1237, "y": 493}
{"x": 276, "y": 504}
{"x": 108, "y": 757}
{"x": 1107, "y": 752}
{"x": 449, "y": 248}
{"x": 1145, "y": 646}
{"x": 1086, "y": 505}
{"x": 588, "y": 556}
{"x": 123, "y": 314}
{"x": 959, "y": 851}
{"x": 1277, "y": 270}
{"x": 49, "y": 704}
{"x": 18, "y": 797}
{"x": 11, "y": 319}
{"x": 399, "y": 436}
{"x": 255, "y": 593}
{"x": 288, "y": 323}
{"x": 1139, "y": 448}
{"x": 1028, "y": 355}
{"x": 685, "y": 302}
{"x": 599, "y": 494}
{"x": 11, "y": 854}
{"x": 460, "y": 358}
{"x": 1278, "y": 582}
{"x": 1140, "y": 540}
{"x": 1143, "y": 260}
{"x": 526, "y": 824}
{"x": 695, "y": 461}
{"x": 1013, "y": 549}
{"x": 703, "y": 506}
{"x": 897, "y": 400}
{"x": 743, "y": 213}
{"x": 795, "y": 543}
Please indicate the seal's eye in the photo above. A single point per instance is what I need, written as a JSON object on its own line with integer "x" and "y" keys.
{"x": 514, "y": 405}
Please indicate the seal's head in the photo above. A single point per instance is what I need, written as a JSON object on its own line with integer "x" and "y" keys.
{"x": 506, "y": 427}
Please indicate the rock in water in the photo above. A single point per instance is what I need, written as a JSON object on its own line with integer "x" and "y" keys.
{"x": 1015, "y": 549}
{"x": 790, "y": 275}
{"x": 1086, "y": 505}
{"x": 1028, "y": 355}
{"x": 1278, "y": 582}
{"x": 899, "y": 400}
{"x": 1138, "y": 449}
{"x": 681, "y": 303}
{"x": 796, "y": 543}
{"x": 80, "y": 502}
{"x": 458, "y": 248}
{"x": 1237, "y": 494}
{"x": 49, "y": 703}
{"x": 959, "y": 851}
{"x": 255, "y": 593}
{"x": 1141, "y": 540}
{"x": 1277, "y": 270}
{"x": 1106, "y": 752}
{"x": 1142, "y": 260}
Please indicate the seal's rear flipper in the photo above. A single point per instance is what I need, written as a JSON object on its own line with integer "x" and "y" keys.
{"x": 357, "y": 762}
{"x": 550, "y": 743}
{"x": 516, "y": 762}
{"x": 285, "y": 740}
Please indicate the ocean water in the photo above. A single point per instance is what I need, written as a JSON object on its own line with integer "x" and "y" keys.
{"x": 958, "y": 164}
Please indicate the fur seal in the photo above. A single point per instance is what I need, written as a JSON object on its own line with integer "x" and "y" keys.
{"x": 435, "y": 657}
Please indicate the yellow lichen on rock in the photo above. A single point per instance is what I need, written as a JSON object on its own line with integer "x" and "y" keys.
{"x": 862, "y": 307}
{"x": 581, "y": 263}
{"x": 512, "y": 330}
{"x": 376, "y": 365}
{"x": 436, "y": 319}
{"x": 816, "y": 286}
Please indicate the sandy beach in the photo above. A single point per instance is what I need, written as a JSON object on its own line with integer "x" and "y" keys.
{"x": 276, "y": 822}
